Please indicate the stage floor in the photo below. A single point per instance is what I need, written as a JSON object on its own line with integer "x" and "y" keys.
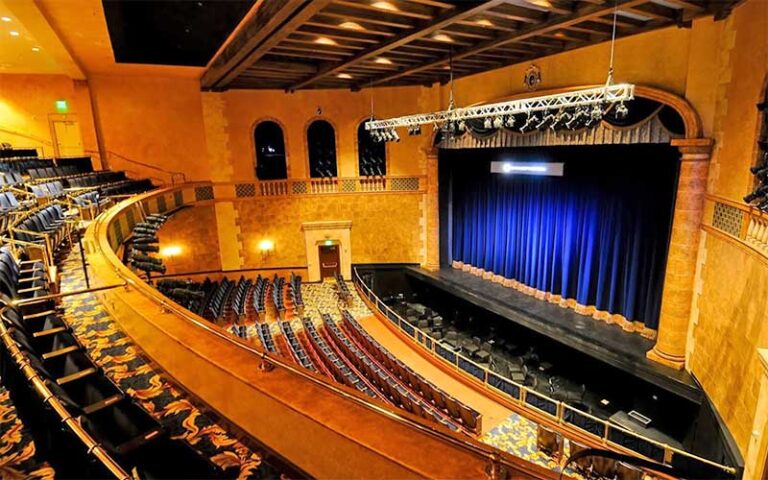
{"x": 608, "y": 343}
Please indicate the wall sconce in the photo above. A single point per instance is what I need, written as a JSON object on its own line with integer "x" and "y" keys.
{"x": 170, "y": 252}
{"x": 266, "y": 247}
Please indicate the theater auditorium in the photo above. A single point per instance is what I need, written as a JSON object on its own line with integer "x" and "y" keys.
{"x": 384, "y": 239}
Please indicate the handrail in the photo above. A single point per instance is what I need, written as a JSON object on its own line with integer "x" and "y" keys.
{"x": 560, "y": 407}
{"x": 173, "y": 174}
{"x": 498, "y": 459}
{"x": 91, "y": 445}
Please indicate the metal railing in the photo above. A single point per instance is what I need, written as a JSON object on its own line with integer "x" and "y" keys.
{"x": 48, "y": 399}
{"x": 558, "y": 412}
{"x": 498, "y": 461}
{"x": 328, "y": 185}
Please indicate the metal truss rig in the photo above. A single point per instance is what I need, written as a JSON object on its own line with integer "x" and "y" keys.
{"x": 608, "y": 94}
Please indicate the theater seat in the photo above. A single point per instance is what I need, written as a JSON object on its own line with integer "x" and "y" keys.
{"x": 549, "y": 441}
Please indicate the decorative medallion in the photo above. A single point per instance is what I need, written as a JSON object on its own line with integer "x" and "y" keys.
{"x": 532, "y": 77}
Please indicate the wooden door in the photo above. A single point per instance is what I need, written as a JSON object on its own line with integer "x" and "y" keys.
{"x": 330, "y": 262}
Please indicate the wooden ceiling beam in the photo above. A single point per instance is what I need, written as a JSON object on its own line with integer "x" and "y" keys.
{"x": 582, "y": 14}
{"x": 272, "y": 22}
{"x": 334, "y": 23}
{"x": 379, "y": 17}
{"x": 339, "y": 34}
{"x": 442, "y": 21}
{"x": 405, "y": 9}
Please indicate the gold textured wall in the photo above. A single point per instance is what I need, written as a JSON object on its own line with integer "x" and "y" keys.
{"x": 386, "y": 228}
{"x": 193, "y": 232}
{"x": 732, "y": 323}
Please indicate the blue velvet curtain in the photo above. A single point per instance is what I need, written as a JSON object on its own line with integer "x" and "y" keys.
{"x": 599, "y": 234}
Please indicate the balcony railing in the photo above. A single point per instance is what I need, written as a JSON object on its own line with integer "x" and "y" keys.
{"x": 608, "y": 434}
{"x": 746, "y": 224}
{"x": 325, "y": 186}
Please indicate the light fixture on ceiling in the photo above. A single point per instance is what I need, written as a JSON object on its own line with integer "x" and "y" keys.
{"x": 383, "y": 61}
{"x": 14, "y": 33}
{"x": 540, "y": 3}
{"x": 344, "y": 76}
{"x": 442, "y": 37}
{"x": 351, "y": 26}
{"x": 5, "y": 19}
{"x": 484, "y": 22}
{"x": 576, "y": 108}
{"x": 385, "y": 6}
{"x": 325, "y": 41}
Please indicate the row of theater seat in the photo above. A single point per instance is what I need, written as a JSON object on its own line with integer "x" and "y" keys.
{"x": 47, "y": 226}
{"x": 265, "y": 335}
{"x": 216, "y": 307}
{"x": 343, "y": 290}
{"x": 278, "y": 285}
{"x": 339, "y": 368}
{"x": 53, "y": 172}
{"x": 10, "y": 179}
{"x": 297, "y": 350}
{"x": 260, "y": 288}
{"x": 467, "y": 417}
{"x": 55, "y": 384}
{"x": 239, "y": 298}
{"x": 294, "y": 293}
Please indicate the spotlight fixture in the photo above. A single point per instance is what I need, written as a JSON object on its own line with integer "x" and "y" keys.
{"x": 509, "y": 121}
{"x": 461, "y": 126}
{"x": 395, "y": 136}
{"x": 548, "y": 117}
{"x": 414, "y": 130}
{"x": 528, "y": 122}
{"x": 596, "y": 113}
{"x": 574, "y": 121}
{"x": 487, "y": 124}
{"x": 498, "y": 122}
{"x": 562, "y": 116}
{"x": 621, "y": 111}
{"x": 756, "y": 194}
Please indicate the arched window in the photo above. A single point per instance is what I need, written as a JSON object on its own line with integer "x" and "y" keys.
{"x": 321, "y": 147}
{"x": 371, "y": 155}
{"x": 270, "y": 151}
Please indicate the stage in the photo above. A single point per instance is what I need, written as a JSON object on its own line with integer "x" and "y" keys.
{"x": 607, "y": 343}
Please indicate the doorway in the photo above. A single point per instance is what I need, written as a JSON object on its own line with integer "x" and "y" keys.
{"x": 67, "y": 141}
{"x": 330, "y": 262}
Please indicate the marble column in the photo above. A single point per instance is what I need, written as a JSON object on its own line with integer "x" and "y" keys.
{"x": 677, "y": 296}
{"x": 433, "y": 214}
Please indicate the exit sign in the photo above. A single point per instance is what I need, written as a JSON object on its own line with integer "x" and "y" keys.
{"x": 62, "y": 106}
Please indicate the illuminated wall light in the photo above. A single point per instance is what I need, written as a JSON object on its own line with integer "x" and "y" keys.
{"x": 266, "y": 245}
{"x": 35, "y": 49}
{"x": 385, "y": 6}
{"x": 441, "y": 37}
{"x": 5, "y": 19}
{"x": 14, "y": 33}
{"x": 344, "y": 76}
{"x": 325, "y": 41}
{"x": 171, "y": 251}
{"x": 383, "y": 61}
{"x": 351, "y": 26}
{"x": 526, "y": 168}
{"x": 328, "y": 243}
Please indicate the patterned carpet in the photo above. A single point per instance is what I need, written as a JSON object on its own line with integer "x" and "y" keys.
{"x": 517, "y": 435}
{"x": 17, "y": 449}
{"x": 122, "y": 361}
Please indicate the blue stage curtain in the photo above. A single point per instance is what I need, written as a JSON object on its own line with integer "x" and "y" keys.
{"x": 598, "y": 235}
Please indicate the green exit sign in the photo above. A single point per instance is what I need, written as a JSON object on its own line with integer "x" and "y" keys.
{"x": 329, "y": 242}
{"x": 62, "y": 106}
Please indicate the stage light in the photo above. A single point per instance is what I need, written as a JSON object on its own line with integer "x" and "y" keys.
{"x": 547, "y": 118}
{"x": 509, "y": 121}
{"x": 596, "y": 113}
{"x": 573, "y": 122}
{"x": 621, "y": 111}
{"x": 487, "y": 124}
{"x": 395, "y": 136}
{"x": 759, "y": 169}
{"x": 758, "y": 193}
{"x": 559, "y": 118}
{"x": 498, "y": 122}
{"x": 461, "y": 126}
{"x": 528, "y": 168}
{"x": 528, "y": 122}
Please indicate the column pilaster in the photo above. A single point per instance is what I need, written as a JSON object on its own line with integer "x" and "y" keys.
{"x": 433, "y": 214}
{"x": 677, "y": 296}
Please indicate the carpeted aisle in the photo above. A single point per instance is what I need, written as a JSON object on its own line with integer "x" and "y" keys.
{"x": 122, "y": 361}
{"x": 18, "y": 459}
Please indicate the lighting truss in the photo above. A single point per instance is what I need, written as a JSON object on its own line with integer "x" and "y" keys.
{"x": 599, "y": 96}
